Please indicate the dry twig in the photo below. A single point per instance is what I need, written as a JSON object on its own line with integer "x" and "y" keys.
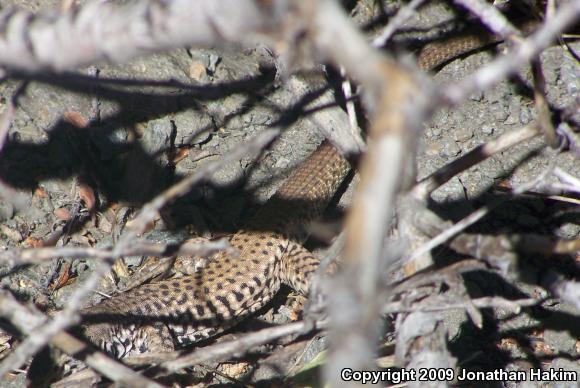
{"x": 491, "y": 17}
{"x": 38, "y": 255}
{"x": 395, "y": 102}
{"x": 224, "y": 349}
{"x": 520, "y": 55}
{"x": 405, "y": 13}
{"x": 69, "y": 316}
{"x": 423, "y": 189}
{"x": 27, "y": 320}
{"x": 416, "y": 260}
{"x": 107, "y": 31}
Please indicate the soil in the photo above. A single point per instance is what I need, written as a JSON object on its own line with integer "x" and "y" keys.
{"x": 141, "y": 139}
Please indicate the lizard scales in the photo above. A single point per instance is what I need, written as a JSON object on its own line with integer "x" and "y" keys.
{"x": 158, "y": 316}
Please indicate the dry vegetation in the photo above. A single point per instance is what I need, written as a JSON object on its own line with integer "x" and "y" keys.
{"x": 458, "y": 237}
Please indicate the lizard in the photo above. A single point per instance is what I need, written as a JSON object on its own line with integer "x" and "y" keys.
{"x": 176, "y": 312}
{"x": 167, "y": 314}
{"x": 179, "y": 311}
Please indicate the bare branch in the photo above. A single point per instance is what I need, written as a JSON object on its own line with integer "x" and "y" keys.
{"x": 542, "y": 106}
{"x": 106, "y": 31}
{"x": 350, "y": 108}
{"x": 424, "y": 188}
{"x": 480, "y": 303}
{"x": 60, "y": 321}
{"x": 571, "y": 181}
{"x": 405, "y": 13}
{"x": 5, "y": 122}
{"x": 332, "y": 122}
{"x": 39, "y": 255}
{"x": 417, "y": 260}
{"x": 390, "y": 92}
{"x": 224, "y": 349}
{"x": 491, "y": 17}
{"x": 150, "y": 211}
{"x": 69, "y": 315}
{"x": 395, "y": 101}
{"x": 520, "y": 55}
{"x": 28, "y": 320}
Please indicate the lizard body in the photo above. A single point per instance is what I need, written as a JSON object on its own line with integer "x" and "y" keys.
{"x": 162, "y": 315}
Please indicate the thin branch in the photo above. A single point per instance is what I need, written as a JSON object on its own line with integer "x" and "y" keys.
{"x": 63, "y": 319}
{"x": 424, "y": 188}
{"x": 568, "y": 179}
{"x": 491, "y": 17}
{"x": 397, "y": 117}
{"x": 60, "y": 321}
{"x": 240, "y": 345}
{"x": 224, "y": 349}
{"x": 405, "y": 13}
{"x": 38, "y": 255}
{"x": 5, "y": 122}
{"x": 332, "y": 121}
{"x": 350, "y": 107}
{"x": 392, "y": 95}
{"x": 106, "y": 31}
{"x": 520, "y": 55}
{"x": 316, "y": 303}
{"x": 151, "y": 210}
{"x": 28, "y": 320}
{"x": 542, "y": 106}
{"x": 416, "y": 260}
{"x": 480, "y": 303}
{"x": 69, "y": 315}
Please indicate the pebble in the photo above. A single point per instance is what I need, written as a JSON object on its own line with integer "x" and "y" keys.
{"x": 449, "y": 149}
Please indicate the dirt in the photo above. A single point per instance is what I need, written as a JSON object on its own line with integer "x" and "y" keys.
{"x": 129, "y": 152}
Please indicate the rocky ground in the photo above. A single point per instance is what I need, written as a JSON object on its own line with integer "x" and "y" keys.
{"x": 125, "y": 143}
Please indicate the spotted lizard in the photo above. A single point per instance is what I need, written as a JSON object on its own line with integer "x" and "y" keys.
{"x": 175, "y": 312}
{"x": 163, "y": 315}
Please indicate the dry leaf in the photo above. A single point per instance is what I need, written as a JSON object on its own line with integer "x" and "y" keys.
{"x": 33, "y": 242}
{"x": 87, "y": 195}
{"x": 40, "y": 193}
{"x": 181, "y": 154}
{"x": 76, "y": 119}
{"x": 62, "y": 214}
{"x": 63, "y": 278}
{"x": 196, "y": 71}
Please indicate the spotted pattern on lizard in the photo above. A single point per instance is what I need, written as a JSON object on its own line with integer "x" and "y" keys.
{"x": 159, "y": 316}
{"x": 163, "y": 315}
